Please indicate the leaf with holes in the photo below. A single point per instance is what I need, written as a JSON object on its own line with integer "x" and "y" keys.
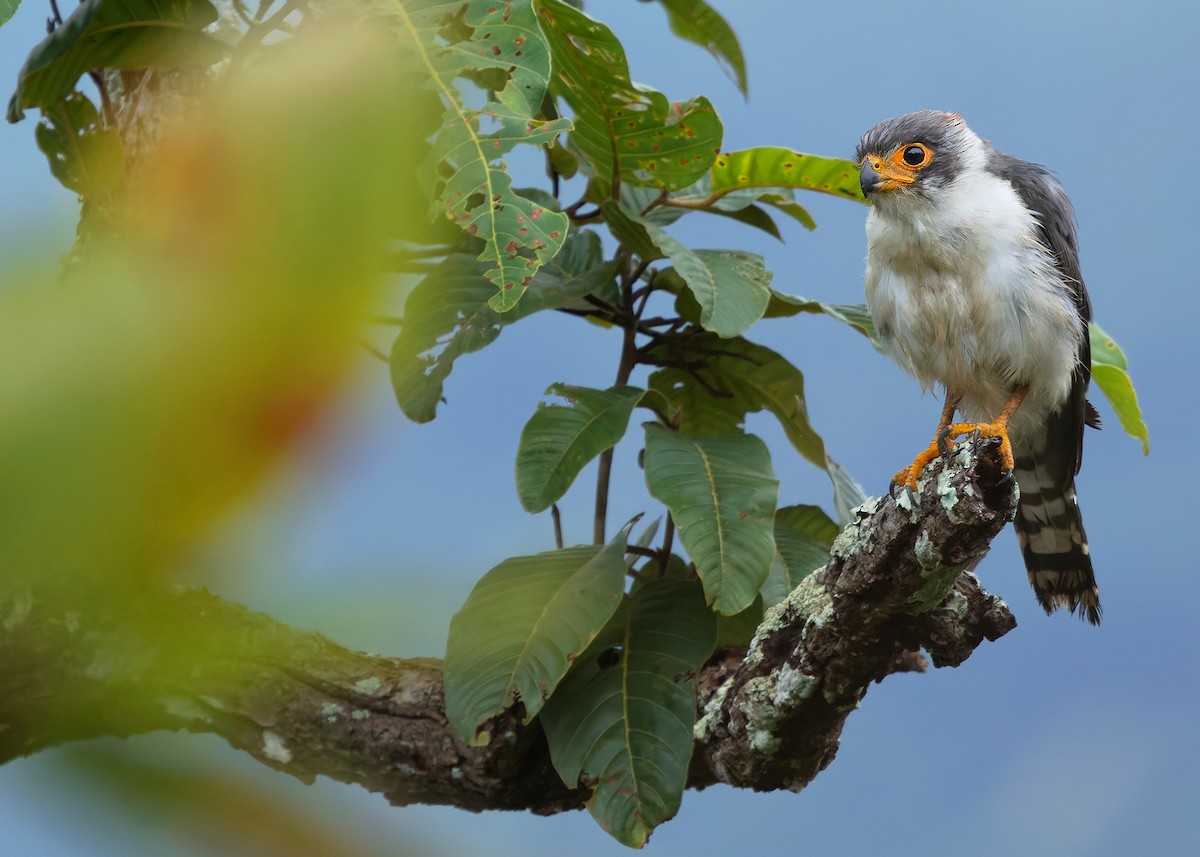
{"x": 722, "y": 492}
{"x": 521, "y": 627}
{"x": 504, "y": 43}
{"x": 624, "y": 131}
{"x": 127, "y": 35}
{"x": 448, "y": 315}
{"x": 621, "y": 721}
{"x": 1110, "y": 370}
{"x": 559, "y": 441}
{"x": 773, "y": 167}
{"x": 84, "y": 156}
{"x": 803, "y": 536}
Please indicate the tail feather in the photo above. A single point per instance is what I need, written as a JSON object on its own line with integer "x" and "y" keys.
{"x": 1054, "y": 544}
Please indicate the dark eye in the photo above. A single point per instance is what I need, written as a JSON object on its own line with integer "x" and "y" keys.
{"x": 915, "y": 156}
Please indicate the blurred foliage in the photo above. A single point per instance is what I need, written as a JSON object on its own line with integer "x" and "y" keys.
{"x": 247, "y": 171}
{"x": 182, "y": 355}
{"x": 192, "y": 342}
{"x": 184, "y": 797}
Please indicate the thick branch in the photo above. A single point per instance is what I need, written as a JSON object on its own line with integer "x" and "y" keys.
{"x": 895, "y": 584}
{"x": 302, "y": 704}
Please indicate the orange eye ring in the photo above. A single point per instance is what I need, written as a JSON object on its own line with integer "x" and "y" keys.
{"x": 912, "y": 156}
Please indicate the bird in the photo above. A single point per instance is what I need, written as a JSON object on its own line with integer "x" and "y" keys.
{"x": 973, "y": 282}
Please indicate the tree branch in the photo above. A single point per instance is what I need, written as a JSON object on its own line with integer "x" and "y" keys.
{"x": 770, "y": 717}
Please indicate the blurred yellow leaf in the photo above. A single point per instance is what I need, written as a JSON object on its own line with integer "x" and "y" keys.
{"x": 147, "y": 393}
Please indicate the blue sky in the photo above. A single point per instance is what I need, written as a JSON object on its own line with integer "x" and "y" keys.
{"x": 1058, "y": 739}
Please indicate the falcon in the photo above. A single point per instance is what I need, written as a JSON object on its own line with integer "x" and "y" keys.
{"x": 974, "y": 285}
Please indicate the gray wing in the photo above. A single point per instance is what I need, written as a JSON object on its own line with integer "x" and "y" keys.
{"x": 1048, "y": 523}
{"x": 1042, "y": 193}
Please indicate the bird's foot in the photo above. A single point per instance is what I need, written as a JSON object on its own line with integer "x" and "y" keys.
{"x": 944, "y": 443}
{"x": 999, "y": 429}
{"x": 908, "y": 476}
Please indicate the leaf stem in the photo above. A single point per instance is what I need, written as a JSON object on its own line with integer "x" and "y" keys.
{"x": 668, "y": 542}
{"x": 628, "y": 318}
{"x": 373, "y": 351}
{"x": 556, "y": 517}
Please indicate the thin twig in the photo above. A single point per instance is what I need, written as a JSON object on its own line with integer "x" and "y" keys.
{"x": 110, "y": 116}
{"x": 654, "y": 203}
{"x": 586, "y": 216}
{"x": 264, "y": 26}
{"x": 638, "y": 550}
{"x": 373, "y": 351}
{"x": 707, "y": 202}
{"x": 629, "y": 360}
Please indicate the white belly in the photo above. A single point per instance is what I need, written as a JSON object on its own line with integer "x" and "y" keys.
{"x": 966, "y": 297}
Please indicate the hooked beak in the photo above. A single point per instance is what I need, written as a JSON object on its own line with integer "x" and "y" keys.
{"x": 869, "y": 178}
{"x": 877, "y": 175}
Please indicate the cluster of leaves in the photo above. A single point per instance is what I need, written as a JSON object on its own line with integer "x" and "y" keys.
{"x": 601, "y": 642}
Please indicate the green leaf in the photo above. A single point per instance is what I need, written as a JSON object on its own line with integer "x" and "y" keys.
{"x": 1110, "y": 371}
{"x": 786, "y": 203}
{"x": 125, "y": 35}
{"x": 84, "y": 156}
{"x": 752, "y": 215}
{"x": 630, "y": 231}
{"x": 803, "y": 536}
{"x": 621, "y": 721}
{"x": 722, "y": 492}
{"x": 464, "y": 37}
{"x": 855, "y": 315}
{"x": 729, "y": 378}
{"x": 643, "y": 541}
{"x": 848, "y": 495}
{"x": 521, "y": 627}
{"x": 699, "y": 23}
{"x": 738, "y": 630}
{"x": 747, "y": 377}
{"x": 448, "y": 315}
{"x": 700, "y": 197}
{"x": 774, "y": 167}
{"x": 626, "y": 132}
{"x": 558, "y": 442}
{"x": 732, "y": 287}
{"x": 8, "y": 8}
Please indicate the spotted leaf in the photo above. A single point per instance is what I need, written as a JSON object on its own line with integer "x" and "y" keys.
{"x": 502, "y": 44}
{"x": 624, "y": 131}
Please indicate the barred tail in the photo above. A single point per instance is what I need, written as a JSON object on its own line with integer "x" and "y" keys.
{"x": 1054, "y": 544}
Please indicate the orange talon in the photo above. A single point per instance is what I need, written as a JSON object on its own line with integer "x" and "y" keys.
{"x": 941, "y": 442}
{"x": 909, "y": 475}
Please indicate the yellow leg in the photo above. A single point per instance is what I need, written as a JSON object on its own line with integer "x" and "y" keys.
{"x": 909, "y": 475}
{"x": 996, "y": 428}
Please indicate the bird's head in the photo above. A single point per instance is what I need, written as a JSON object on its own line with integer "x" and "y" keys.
{"x": 915, "y": 155}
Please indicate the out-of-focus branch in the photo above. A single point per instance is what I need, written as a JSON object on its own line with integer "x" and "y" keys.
{"x": 771, "y": 717}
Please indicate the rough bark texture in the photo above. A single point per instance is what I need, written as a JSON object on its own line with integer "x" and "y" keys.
{"x": 770, "y": 717}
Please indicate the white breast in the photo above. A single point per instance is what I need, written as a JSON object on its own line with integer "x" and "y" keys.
{"x": 964, "y": 295}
